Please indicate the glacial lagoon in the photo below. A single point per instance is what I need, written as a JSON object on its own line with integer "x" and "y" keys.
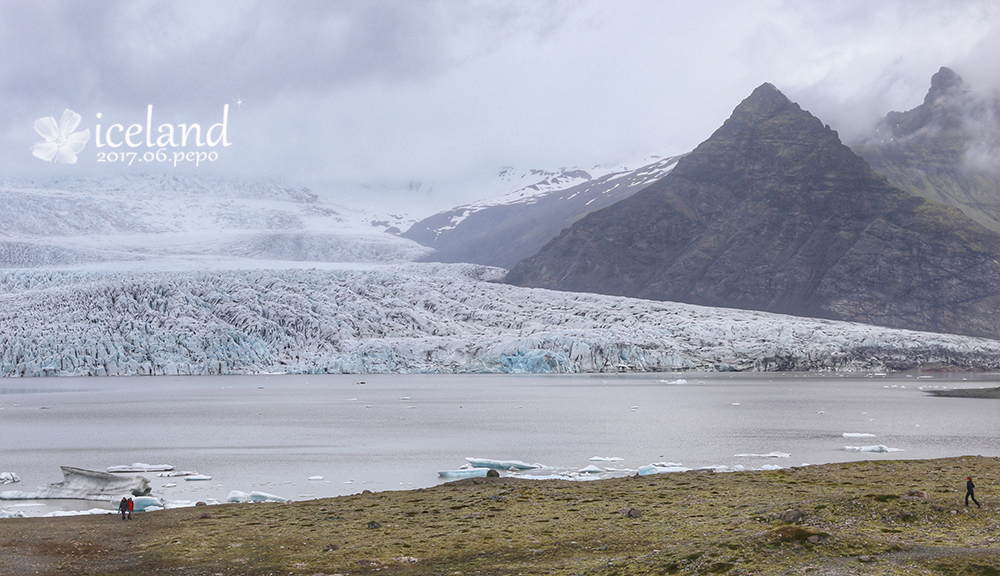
{"x": 312, "y": 436}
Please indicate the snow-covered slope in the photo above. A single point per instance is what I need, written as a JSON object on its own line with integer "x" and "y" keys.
{"x": 502, "y": 231}
{"x": 153, "y": 221}
{"x": 413, "y": 318}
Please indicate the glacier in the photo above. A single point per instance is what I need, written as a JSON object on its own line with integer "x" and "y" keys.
{"x": 409, "y": 318}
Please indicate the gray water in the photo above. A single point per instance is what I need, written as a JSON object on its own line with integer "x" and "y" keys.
{"x": 386, "y": 432}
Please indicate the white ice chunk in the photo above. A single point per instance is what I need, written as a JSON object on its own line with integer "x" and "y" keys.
{"x": 606, "y": 459}
{"x": 197, "y": 477}
{"x": 142, "y": 503}
{"x": 881, "y": 448}
{"x": 177, "y": 473}
{"x": 140, "y": 467}
{"x": 590, "y": 469}
{"x": 463, "y": 473}
{"x": 5, "y": 513}
{"x": 661, "y": 468}
{"x": 858, "y": 435}
{"x": 768, "y": 455}
{"x": 8, "y": 478}
{"x": 237, "y": 496}
{"x": 314, "y": 478}
{"x": 501, "y": 464}
{"x": 770, "y": 467}
{"x": 91, "y": 512}
{"x": 265, "y": 497}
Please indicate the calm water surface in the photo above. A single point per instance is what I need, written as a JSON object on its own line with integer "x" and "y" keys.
{"x": 384, "y": 432}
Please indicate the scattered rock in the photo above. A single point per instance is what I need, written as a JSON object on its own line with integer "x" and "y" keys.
{"x": 206, "y": 515}
{"x": 199, "y": 503}
{"x": 917, "y": 494}
{"x": 865, "y": 558}
{"x": 374, "y": 525}
{"x": 814, "y": 539}
{"x": 330, "y": 547}
{"x": 792, "y": 516}
{"x": 631, "y": 512}
{"x": 937, "y": 507}
{"x": 492, "y": 473}
{"x": 366, "y": 492}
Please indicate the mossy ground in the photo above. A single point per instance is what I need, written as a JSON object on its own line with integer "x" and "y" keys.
{"x": 886, "y": 517}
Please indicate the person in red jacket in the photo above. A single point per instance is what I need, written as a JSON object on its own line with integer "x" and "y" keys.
{"x": 131, "y": 506}
{"x": 970, "y": 492}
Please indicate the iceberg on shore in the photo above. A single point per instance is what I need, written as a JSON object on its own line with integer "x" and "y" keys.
{"x": 464, "y": 473}
{"x": 8, "y": 478}
{"x": 243, "y": 498}
{"x": 141, "y": 503}
{"x": 80, "y": 484}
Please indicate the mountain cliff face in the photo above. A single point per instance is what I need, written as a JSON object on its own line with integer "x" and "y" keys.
{"x": 774, "y": 213}
{"x": 947, "y": 149}
{"x": 502, "y": 232}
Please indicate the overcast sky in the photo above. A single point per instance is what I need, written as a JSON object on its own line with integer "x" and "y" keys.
{"x": 442, "y": 92}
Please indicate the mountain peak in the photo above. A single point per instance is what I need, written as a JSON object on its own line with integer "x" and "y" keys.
{"x": 945, "y": 82}
{"x": 763, "y": 103}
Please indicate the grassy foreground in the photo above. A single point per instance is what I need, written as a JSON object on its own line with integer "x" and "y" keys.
{"x": 885, "y": 517}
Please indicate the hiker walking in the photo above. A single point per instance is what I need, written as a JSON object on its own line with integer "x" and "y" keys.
{"x": 123, "y": 508}
{"x": 970, "y": 492}
{"x": 131, "y": 507}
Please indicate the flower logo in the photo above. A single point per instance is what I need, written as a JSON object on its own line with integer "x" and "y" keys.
{"x": 61, "y": 144}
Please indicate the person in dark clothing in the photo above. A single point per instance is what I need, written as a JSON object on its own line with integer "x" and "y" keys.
{"x": 123, "y": 508}
{"x": 970, "y": 492}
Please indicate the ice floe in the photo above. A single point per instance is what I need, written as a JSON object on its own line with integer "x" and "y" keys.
{"x": 501, "y": 464}
{"x": 878, "y": 448}
{"x": 140, "y": 467}
{"x": 8, "y": 478}
{"x": 606, "y": 459}
{"x": 83, "y": 484}
{"x": 661, "y": 468}
{"x": 768, "y": 455}
{"x": 858, "y": 435}
{"x": 198, "y": 477}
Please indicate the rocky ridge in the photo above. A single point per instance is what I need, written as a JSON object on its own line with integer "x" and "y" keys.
{"x": 773, "y": 212}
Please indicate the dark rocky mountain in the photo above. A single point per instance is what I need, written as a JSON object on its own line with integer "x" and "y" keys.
{"x": 946, "y": 149}
{"x": 774, "y": 213}
{"x": 504, "y": 231}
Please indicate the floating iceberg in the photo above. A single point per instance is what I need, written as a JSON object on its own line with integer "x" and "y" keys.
{"x": 177, "y": 473}
{"x": 140, "y": 467}
{"x": 590, "y": 470}
{"x": 84, "y": 485}
{"x": 8, "y": 478}
{"x": 858, "y": 435}
{"x": 661, "y": 468}
{"x": 197, "y": 477}
{"x": 768, "y": 455}
{"x": 606, "y": 459}
{"x": 5, "y": 513}
{"x": 875, "y": 448}
{"x": 501, "y": 464}
{"x": 91, "y": 512}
